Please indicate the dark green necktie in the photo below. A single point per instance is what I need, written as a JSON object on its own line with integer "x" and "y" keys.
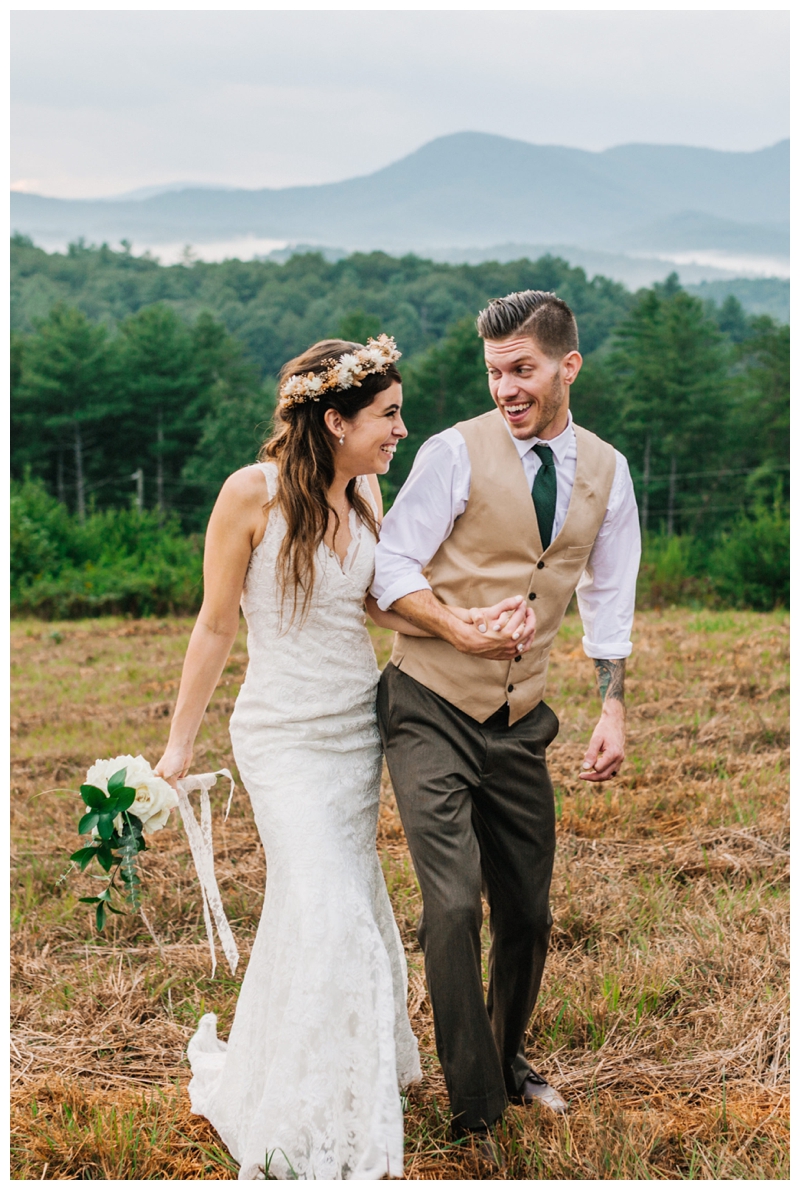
{"x": 544, "y": 494}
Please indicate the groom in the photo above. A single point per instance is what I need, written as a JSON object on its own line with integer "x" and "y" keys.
{"x": 519, "y": 500}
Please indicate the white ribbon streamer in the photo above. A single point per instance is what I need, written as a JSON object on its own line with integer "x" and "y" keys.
{"x": 202, "y": 848}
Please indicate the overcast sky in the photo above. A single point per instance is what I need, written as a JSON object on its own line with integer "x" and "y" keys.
{"x": 103, "y": 102}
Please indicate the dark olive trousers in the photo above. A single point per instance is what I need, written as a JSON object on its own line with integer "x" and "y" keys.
{"x": 477, "y": 807}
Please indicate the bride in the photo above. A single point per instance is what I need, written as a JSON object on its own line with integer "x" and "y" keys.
{"x": 308, "y": 1083}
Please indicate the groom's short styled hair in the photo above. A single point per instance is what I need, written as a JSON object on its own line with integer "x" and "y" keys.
{"x": 535, "y": 312}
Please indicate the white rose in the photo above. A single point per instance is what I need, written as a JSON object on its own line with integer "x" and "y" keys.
{"x": 154, "y": 796}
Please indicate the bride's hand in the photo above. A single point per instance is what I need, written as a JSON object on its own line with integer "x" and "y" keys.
{"x": 175, "y": 763}
{"x": 509, "y": 619}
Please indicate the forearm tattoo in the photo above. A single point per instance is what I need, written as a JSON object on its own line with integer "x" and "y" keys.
{"x": 611, "y": 679}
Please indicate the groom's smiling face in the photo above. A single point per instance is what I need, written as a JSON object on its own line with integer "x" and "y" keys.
{"x": 530, "y": 388}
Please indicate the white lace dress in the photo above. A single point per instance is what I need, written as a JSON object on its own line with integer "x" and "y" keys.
{"x": 308, "y": 1083}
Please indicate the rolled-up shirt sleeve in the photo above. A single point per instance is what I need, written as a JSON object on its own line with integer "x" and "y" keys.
{"x": 421, "y": 518}
{"x": 607, "y": 589}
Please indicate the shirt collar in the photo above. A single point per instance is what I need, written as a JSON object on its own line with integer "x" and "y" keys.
{"x": 560, "y": 446}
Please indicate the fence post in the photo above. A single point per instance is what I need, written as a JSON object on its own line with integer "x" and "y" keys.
{"x": 138, "y": 475}
{"x": 81, "y": 502}
{"x": 671, "y": 501}
{"x": 160, "y": 462}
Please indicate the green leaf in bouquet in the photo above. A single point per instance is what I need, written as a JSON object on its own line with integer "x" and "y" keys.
{"x": 84, "y": 856}
{"x": 105, "y": 825}
{"x": 105, "y": 857}
{"x": 117, "y": 782}
{"x": 128, "y": 873}
{"x": 87, "y": 822}
{"x": 119, "y": 802}
{"x": 124, "y": 799}
{"x": 93, "y": 796}
{"x": 121, "y": 912}
{"x": 132, "y": 828}
{"x": 132, "y": 825}
{"x": 90, "y": 900}
{"x": 100, "y": 915}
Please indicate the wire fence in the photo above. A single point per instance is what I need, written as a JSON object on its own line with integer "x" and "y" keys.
{"x": 177, "y": 494}
{"x": 705, "y": 474}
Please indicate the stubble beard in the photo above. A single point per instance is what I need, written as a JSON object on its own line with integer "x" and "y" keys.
{"x": 549, "y": 408}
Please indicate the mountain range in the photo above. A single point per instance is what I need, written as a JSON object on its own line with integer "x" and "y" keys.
{"x": 469, "y": 190}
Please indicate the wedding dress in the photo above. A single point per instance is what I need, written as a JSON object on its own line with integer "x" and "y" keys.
{"x": 308, "y": 1083}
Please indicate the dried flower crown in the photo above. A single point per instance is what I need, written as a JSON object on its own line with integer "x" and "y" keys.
{"x": 345, "y": 372}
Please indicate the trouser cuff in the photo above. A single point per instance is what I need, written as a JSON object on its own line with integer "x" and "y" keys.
{"x": 470, "y": 1115}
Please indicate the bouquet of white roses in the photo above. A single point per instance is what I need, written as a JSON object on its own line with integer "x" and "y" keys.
{"x": 124, "y": 800}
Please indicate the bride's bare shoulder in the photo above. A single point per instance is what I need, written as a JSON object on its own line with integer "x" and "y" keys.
{"x": 247, "y": 485}
{"x": 241, "y": 504}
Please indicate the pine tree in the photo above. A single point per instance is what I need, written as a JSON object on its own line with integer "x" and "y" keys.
{"x": 671, "y": 368}
{"x": 63, "y": 394}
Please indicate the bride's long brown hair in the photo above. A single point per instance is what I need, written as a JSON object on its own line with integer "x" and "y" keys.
{"x": 302, "y": 447}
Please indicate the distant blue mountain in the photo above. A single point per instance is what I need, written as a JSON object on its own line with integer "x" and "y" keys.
{"x": 142, "y": 192}
{"x": 471, "y": 190}
{"x": 694, "y": 229}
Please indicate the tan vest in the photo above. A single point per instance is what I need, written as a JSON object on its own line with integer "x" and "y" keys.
{"x": 494, "y": 551}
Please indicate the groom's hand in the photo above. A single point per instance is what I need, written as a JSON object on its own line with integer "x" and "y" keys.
{"x": 507, "y": 629}
{"x": 510, "y": 619}
{"x": 606, "y": 750}
{"x": 509, "y": 625}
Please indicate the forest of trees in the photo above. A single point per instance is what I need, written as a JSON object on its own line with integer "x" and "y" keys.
{"x": 140, "y": 386}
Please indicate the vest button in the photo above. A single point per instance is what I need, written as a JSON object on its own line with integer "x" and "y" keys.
{"x": 540, "y": 565}
{"x": 517, "y": 658}
{"x": 532, "y": 595}
{"x": 510, "y": 689}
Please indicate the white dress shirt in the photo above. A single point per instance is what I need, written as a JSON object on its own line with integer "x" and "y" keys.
{"x": 437, "y": 491}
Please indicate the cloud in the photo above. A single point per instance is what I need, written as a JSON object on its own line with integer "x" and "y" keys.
{"x": 104, "y": 101}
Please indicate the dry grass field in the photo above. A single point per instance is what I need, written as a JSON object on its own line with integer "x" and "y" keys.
{"x": 663, "y": 1016}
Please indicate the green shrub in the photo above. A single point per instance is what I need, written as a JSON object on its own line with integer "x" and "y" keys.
{"x": 750, "y": 566}
{"x": 120, "y": 561}
{"x": 671, "y": 572}
{"x": 126, "y": 562}
{"x": 39, "y": 528}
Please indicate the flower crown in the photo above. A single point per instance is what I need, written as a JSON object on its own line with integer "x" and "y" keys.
{"x": 345, "y": 372}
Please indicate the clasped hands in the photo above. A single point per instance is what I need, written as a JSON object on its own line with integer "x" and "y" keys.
{"x": 498, "y": 633}
{"x": 507, "y": 630}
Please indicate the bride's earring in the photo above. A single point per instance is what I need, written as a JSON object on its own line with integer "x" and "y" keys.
{"x": 341, "y": 440}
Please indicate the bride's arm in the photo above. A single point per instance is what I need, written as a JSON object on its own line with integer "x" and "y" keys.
{"x": 235, "y": 526}
{"x": 392, "y": 620}
{"x": 497, "y": 617}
